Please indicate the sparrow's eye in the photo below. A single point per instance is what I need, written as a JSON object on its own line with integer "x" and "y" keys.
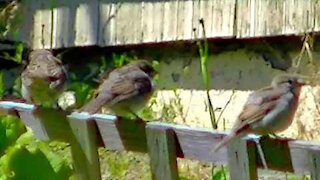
{"x": 290, "y": 81}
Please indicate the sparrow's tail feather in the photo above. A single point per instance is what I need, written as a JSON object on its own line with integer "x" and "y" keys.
{"x": 225, "y": 141}
{"x": 92, "y": 107}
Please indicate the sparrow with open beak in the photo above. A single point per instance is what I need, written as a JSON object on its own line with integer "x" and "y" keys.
{"x": 125, "y": 91}
{"x": 268, "y": 110}
{"x": 43, "y": 79}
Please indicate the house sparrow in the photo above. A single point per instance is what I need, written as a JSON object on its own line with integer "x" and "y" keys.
{"x": 43, "y": 79}
{"x": 125, "y": 91}
{"x": 268, "y": 110}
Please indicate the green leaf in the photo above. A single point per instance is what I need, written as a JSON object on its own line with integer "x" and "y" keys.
{"x": 204, "y": 54}
{"x": 83, "y": 92}
{"x": 39, "y": 155}
{"x": 11, "y": 128}
{"x": 18, "y": 54}
{"x": 17, "y": 87}
{"x": 21, "y": 163}
{"x": 220, "y": 174}
{"x": 120, "y": 60}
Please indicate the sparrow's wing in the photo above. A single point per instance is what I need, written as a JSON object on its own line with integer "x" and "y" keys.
{"x": 47, "y": 66}
{"x": 259, "y": 104}
{"x": 130, "y": 85}
{"x": 253, "y": 113}
{"x": 118, "y": 87}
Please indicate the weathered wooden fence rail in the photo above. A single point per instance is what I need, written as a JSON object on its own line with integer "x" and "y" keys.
{"x": 164, "y": 143}
{"x": 124, "y": 22}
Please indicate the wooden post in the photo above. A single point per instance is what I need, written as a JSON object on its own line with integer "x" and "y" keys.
{"x": 84, "y": 149}
{"x": 242, "y": 163}
{"x": 314, "y": 163}
{"x": 162, "y": 152}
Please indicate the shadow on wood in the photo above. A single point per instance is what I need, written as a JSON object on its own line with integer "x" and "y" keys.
{"x": 277, "y": 154}
{"x": 123, "y": 134}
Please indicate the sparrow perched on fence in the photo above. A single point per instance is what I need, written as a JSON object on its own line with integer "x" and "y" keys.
{"x": 43, "y": 79}
{"x": 125, "y": 91}
{"x": 270, "y": 109}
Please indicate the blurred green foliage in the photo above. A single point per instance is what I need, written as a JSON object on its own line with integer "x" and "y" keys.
{"x": 83, "y": 92}
{"x": 18, "y": 52}
{"x": 118, "y": 166}
{"x": 11, "y": 128}
{"x": 2, "y": 87}
{"x": 31, "y": 159}
{"x": 24, "y": 157}
{"x": 219, "y": 173}
{"x": 119, "y": 60}
{"x": 10, "y": 20}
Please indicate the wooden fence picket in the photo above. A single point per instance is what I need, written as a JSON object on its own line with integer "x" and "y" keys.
{"x": 164, "y": 143}
{"x": 162, "y": 152}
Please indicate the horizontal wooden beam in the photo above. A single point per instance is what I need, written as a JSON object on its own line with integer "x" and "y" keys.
{"x": 192, "y": 143}
{"x": 110, "y": 22}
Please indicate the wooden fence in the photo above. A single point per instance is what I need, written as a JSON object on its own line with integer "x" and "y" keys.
{"x": 125, "y": 22}
{"x": 164, "y": 143}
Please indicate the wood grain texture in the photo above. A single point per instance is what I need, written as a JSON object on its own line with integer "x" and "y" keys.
{"x": 35, "y": 124}
{"x": 206, "y": 15}
{"x": 120, "y": 22}
{"x": 84, "y": 148}
{"x": 64, "y": 23}
{"x": 299, "y": 16}
{"x": 147, "y": 24}
{"x": 107, "y": 26}
{"x": 242, "y": 163}
{"x": 316, "y": 7}
{"x": 222, "y": 18}
{"x": 270, "y": 18}
{"x": 170, "y": 16}
{"x": 162, "y": 152}
{"x": 244, "y": 16}
{"x": 106, "y": 17}
{"x": 86, "y": 23}
{"x": 184, "y": 20}
{"x": 314, "y": 165}
{"x": 158, "y": 21}
{"x": 122, "y": 134}
{"x": 195, "y": 19}
{"x": 128, "y": 31}
{"x": 42, "y": 26}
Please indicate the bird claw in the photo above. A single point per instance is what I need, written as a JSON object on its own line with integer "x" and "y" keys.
{"x": 256, "y": 139}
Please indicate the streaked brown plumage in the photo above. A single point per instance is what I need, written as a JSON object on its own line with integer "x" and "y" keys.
{"x": 268, "y": 110}
{"x": 43, "y": 79}
{"x": 125, "y": 91}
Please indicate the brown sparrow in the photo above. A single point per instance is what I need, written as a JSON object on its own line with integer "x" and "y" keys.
{"x": 125, "y": 91}
{"x": 43, "y": 79}
{"x": 268, "y": 110}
